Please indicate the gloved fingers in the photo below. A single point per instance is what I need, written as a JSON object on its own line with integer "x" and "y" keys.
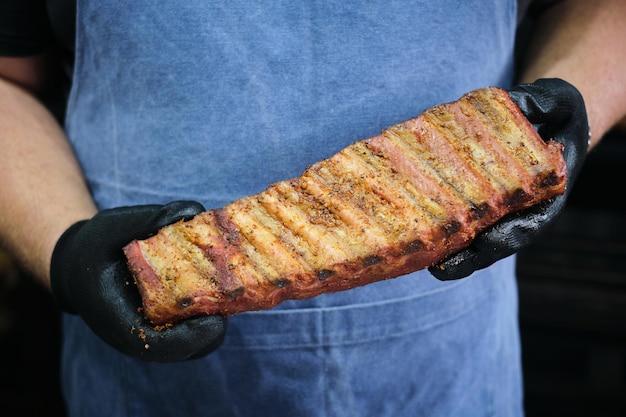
{"x": 551, "y": 103}
{"x": 89, "y": 276}
{"x": 123, "y": 224}
{"x": 176, "y": 211}
{"x": 509, "y": 235}
{"x": 457, "y": 266}
{"x": 191, "y": 338}
{"x": 134, "y": 335}
{"x": 557, "y": 110}
{"x": 188, "y": 339}
{"x": 484, "y": 251}
{"x": 101, "y": 239}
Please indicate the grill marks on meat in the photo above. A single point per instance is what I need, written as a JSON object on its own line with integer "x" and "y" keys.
{"x": 380, "y": 208}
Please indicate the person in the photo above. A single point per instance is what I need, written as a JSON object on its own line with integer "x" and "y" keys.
{"x": 189, "y": 105}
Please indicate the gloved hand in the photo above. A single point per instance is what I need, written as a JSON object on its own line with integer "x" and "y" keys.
{"x": 89, "y": 277}
{"x": 557, "y": 110}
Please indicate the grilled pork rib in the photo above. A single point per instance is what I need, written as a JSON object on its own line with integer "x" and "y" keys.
{"x": 380, "y": 208}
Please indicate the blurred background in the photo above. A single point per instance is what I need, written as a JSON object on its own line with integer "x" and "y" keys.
{"x": 572, "y": 311}
{"x": 573, "y": 297}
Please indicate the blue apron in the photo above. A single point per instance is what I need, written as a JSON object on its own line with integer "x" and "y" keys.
{"x": 212, "y": 101}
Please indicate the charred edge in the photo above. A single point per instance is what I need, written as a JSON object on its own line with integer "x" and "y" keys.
{"x": 451, "y": 228}
{"x": 371, "y": 260}
{"x": 413, "y": 247}
{"x": 478, "y": 103}
{"x": 228, "y": 229}
{"x": 323, "y": 274}
{"x": 480, "y": 211}
{"x": 374, "y": 152}
{"x": 517, "y": 197}
{"x": 227, "y": 283}
{"x": 185, "y": 302}
{"x": 550, "y": 180}
{"x": 281, "y": 283}
{"x": 236, "y": 293}
{"x": 208, "y": 253}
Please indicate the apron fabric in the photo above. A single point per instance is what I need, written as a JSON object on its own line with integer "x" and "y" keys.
{"x": 212, "y": 101}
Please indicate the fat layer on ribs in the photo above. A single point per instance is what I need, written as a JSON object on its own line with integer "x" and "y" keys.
{"x": 380, "y": 208}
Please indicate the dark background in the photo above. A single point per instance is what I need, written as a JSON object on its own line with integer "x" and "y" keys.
{"x": 573, "y": 297}
{"x": 572, "y": 311}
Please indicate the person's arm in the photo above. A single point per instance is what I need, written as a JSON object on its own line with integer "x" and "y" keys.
{"x": 43, "y": 191}
{"x": 50, "y": 224}
{"x": 582, "y": 42}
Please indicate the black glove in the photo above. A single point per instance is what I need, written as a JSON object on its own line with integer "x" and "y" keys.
{"x": 89, "y": 277}
{"x": 557, "y": 110}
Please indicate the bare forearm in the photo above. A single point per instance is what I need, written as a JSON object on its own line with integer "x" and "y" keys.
{"x": 43, "y": 191}
{"x": 582, "y": 42}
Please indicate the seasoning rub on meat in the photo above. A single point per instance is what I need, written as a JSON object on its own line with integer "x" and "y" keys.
{"x": 380, "y": 208}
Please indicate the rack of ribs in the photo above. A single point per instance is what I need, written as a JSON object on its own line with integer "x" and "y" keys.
{"x": 382, "y": 207}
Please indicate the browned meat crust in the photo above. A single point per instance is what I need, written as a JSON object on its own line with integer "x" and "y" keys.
{"x": 380, "y": 208}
